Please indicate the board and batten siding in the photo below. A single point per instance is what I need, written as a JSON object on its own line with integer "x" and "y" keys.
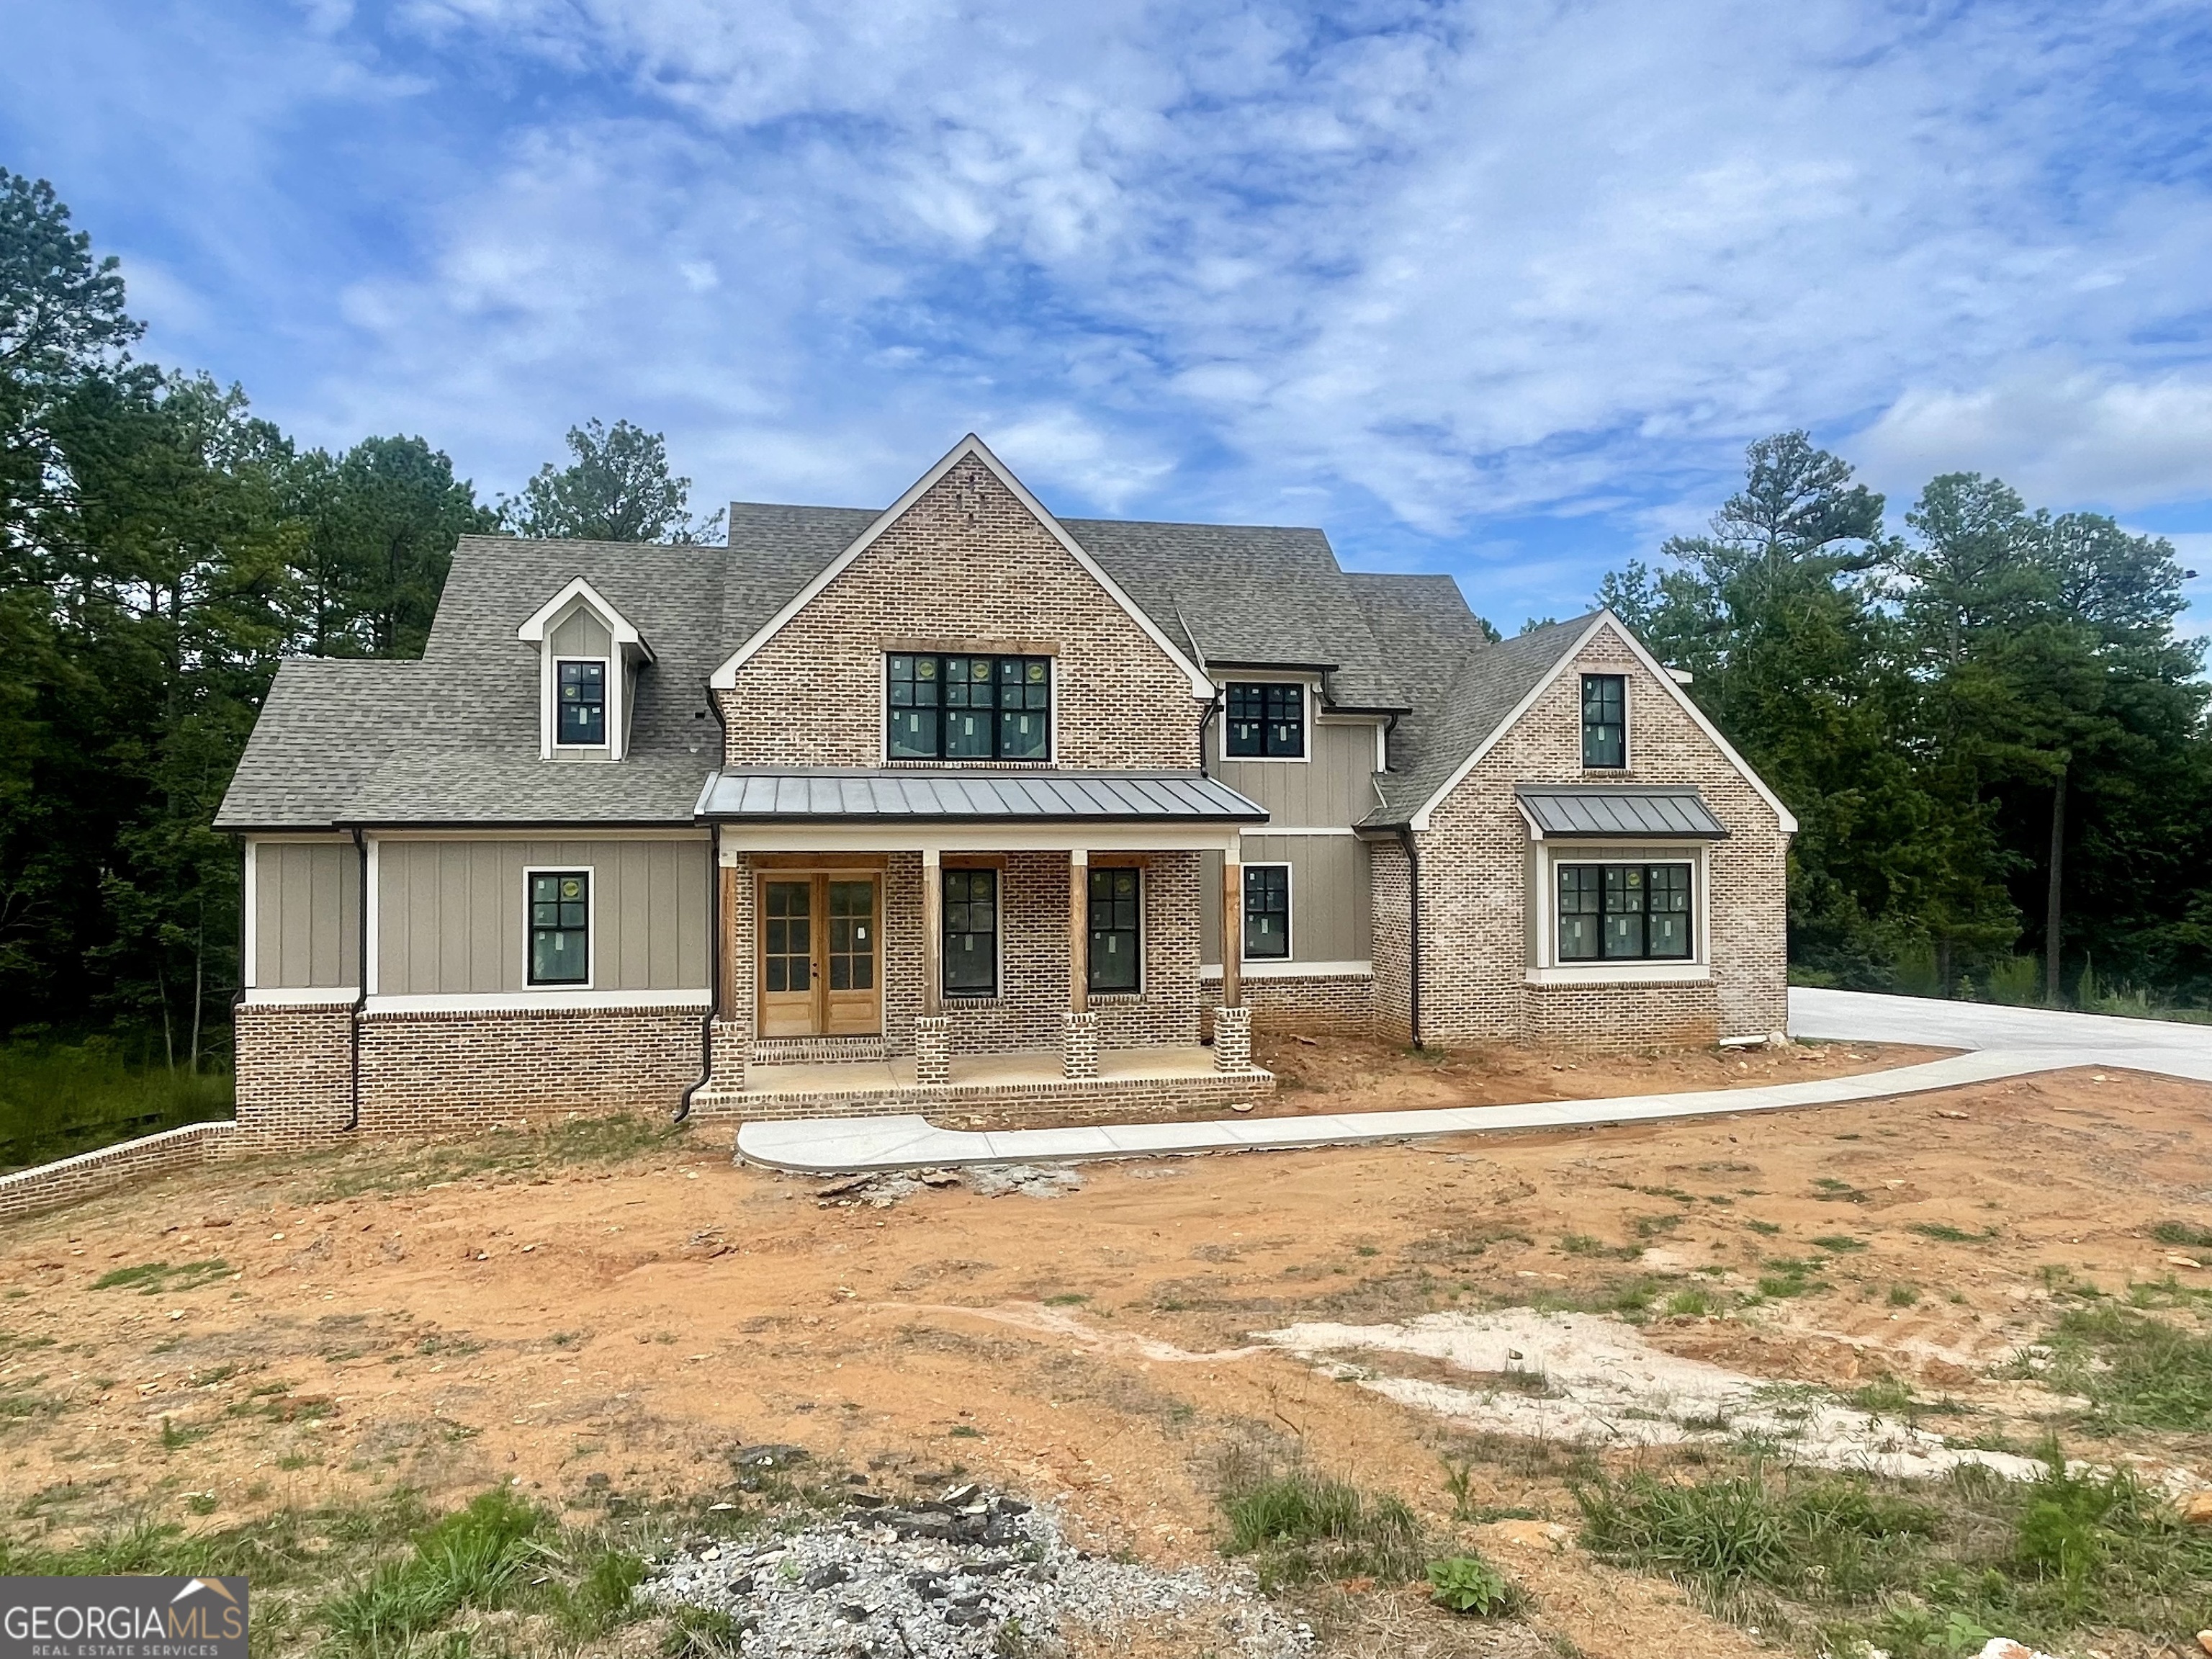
{"x": 1331, "y": 912}
{"x": 307, "y": 914}
{"x": 1335, "y": 787}
{"x": 452, "y": 915}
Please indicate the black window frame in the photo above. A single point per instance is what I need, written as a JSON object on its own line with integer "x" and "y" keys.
{"x": 1263, "y": 720}
{"x": 923, "y": 682}
{"x": 561, "y": 703}
{"x": 1271, "y": 888}
{"x": 966, "y": 876}
{"x": 1589, "y": 888}
{"x": 1595, "y": 727}
{"x": 559, "y": 925}
{"x": 1120, "y": 922}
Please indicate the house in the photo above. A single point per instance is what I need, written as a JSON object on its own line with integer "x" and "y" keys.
{"x": 960, "y": 805}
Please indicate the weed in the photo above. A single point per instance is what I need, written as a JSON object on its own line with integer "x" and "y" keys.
{"x": 59, "y": 1099}
{"x": 1653, "y": 1226}
{"x": 1067, "y": 1299}
{"x": 1839, "y": 1244}
{"x": 1767, "y": 1229}
{"x": 1467, "y": 1584}
{"x": 1903, "y": 1295}
{"x": 2138, "y": 1371}
{"x": 1584, "y": 1245}
{"x": 468, "y": 1560}
{"x": 701, "y": 1633}
{"x": 1944, "y": 1233}
{"x": 1691, "y": 1303}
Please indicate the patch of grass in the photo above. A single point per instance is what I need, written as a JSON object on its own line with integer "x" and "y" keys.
{"x": 1067, "y": 1299}
{"x": 1839, "y": 1244}
{"x": 703, "y": 1633}
{"x": 1584, "y": 1244}
{"x": 1903, "y": 1295}
{"x": 499, "y": 1154}
{"x": 1691, "y": 1303}
{"x": 1944, "y": 1233}
{"x": 159, "y": 1279}
{"x": 1925, "y": 1571}
{"x": 1653, "y": 1226}
{"x": 59, "y": 1099}
{"x": 2182, "y": 1233}
{"x": 2137, "y": 1370}
{"x": 1299, "y": 1526}
{"x": 1841, "y": 1192}
{"x": 1787, "y": 1276}
{"x": 1766, "y": 1229}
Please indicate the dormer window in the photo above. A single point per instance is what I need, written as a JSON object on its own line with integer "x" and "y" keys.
{"x": 589, "y": 657}
{"x": 582, "y": 709}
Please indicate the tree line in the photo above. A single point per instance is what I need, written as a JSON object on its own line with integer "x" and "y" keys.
{"x": 1989, "y": 727}
{"x": 161, "y": 548}
{"x": 1990, "y": 730}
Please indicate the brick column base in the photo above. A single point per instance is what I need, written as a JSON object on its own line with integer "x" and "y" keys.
{"x": 1232, "y": 1039}
{"x": 1079, "y": 1046}
{"x": 932, "y": 1051}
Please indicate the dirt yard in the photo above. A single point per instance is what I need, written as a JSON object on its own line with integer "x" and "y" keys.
{"x": 594, "y": 1318}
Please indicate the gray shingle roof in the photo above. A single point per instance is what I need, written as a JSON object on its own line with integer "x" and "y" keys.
{"x": 1566, "y": 810}
{"x": 453, "y": 738}
{"x": 764, "y": 795}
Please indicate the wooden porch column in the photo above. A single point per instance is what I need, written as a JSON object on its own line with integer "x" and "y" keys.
{"x": 1078, "y": 931}
{"x": 1232, "y": 932}
{"x": 727, "y": 991}
{"x": 933, "y": 932}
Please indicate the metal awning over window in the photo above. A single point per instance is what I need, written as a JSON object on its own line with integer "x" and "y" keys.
{"x": 1616, "y": 811}
{"x": 896, "y": 795}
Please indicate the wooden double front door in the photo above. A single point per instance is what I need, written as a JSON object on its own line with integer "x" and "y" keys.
{"x": 820, "y": 969}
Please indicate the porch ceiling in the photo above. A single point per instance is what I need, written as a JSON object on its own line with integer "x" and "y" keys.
{"x": 897, "y": 795}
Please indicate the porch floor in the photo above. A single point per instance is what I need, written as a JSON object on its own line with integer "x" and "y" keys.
{"x": 1011, "y": 1071}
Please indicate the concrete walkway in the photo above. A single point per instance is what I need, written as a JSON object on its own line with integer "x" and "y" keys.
{"x": 1999, "y": 1042}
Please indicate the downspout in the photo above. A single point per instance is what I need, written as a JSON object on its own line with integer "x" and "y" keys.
{"x": 714, "y": 939}
{"x": 1213, "y": 703}
{"x": 361, "y": 989}
{"x": 1413, "y": 927}
{"x": 714, "y": 975}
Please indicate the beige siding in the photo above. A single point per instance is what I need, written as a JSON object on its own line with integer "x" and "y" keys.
{"x": 451, "y": 914}
{"x": 583, "y": 635}
{"x": 1331, "y": 912}
{"x": 1335, "y": 787}
{"x": 306, "y": 900}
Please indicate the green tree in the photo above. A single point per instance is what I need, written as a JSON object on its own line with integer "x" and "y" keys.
{"x": 382, "y": 520}
{"x": 617, "y": 489}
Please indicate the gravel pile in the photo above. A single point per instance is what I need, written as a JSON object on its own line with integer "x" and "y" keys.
{"x": 966, "y": 1574}
{"x": 880, "y": 1192}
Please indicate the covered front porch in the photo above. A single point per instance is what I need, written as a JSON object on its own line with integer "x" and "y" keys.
{"x": 1009, "y": 947}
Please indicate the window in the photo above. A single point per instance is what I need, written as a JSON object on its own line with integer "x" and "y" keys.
{"x": 1267, "y": 911}
{"x": 1623, "y": 912}
{"x": 1605, "y": 720}
{"x": 1114, "y": 909}
{"x": 1266, "y": 720}
{"x": 583, "y": 702}
{"x": 968, "y": 708}
{"x": 560, "y": 928}
{"x": 971, "y": 933}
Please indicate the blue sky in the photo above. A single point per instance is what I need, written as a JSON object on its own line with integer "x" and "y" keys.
{"x": 1499, "y": 288}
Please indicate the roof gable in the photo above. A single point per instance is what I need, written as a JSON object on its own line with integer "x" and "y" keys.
{"x": 971, "y": 446}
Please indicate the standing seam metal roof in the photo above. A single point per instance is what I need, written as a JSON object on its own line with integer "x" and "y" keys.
{"x": 1620, "y": 810}
{"x": 759, "y": 795}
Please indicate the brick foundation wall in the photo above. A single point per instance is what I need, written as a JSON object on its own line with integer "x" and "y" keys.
{"x": 294, "y": 1084}
{"x": 1339, "y": 1004}
{"x": 967, "y": 549}
{"x": 1062, "y": 1103}
{"x": 1476, "y": 898}
{"x": 1623, "y": 1016}
{"x": 55, "y": 1185}
{"x": 425, "y": 1073}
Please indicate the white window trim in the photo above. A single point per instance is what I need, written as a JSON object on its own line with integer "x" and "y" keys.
{"x": 1144, "y": 940}
{"x": 1309, "y": 705}
{"x": 906, "y": 762}
{"x": 1627, "y": 721}
{"x": 1290, "y": 912}
{"x": 590, "y": 925}
{"x": 613, "y": 678}
{"x": 1549, "y": 970}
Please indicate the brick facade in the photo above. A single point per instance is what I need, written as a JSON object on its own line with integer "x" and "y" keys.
{"x": 968, "y": 565}
{"x": 295, "y": 1073}
{"x": 1336, "y": 1003}
{"x": 1477, "y": 897}
{"x": 1393, "y": 888}
{"x": 56, "y": 1185}
{"x": 423, "y": 1073}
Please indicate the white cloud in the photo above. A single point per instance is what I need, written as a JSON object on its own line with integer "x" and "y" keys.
{"x": 2057, "y": 436}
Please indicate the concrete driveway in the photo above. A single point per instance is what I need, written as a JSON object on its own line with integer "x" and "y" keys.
{"x": 2166, "y": 1047}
